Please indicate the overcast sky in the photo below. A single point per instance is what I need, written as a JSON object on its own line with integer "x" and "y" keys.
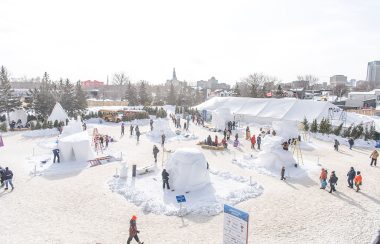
{"x": 88, "y": 39}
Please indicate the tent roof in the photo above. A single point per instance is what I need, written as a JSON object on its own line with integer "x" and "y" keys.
{"x": 58, "y": 113}
{"x": 269, "y": 108}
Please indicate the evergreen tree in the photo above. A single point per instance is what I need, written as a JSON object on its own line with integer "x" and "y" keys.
{"x": 131, "y": 94}
{"x": 144, "y": 98}
{"x": 43, "y": 98}
{"x": 305, "y": 124}
{"x": 171, "y": 96}
{"x": 338, "y": 130}
{"x": 68, "y": 98}
{"x": 237, "y": 92}
{"x": 347, "y": 132}
{"x": 373, "y": 133}
{"x": 314, "y": 126}
{"x": 8, "y": 99}
{"x": 80, "y": 104}
{"x": 357, "y": 131}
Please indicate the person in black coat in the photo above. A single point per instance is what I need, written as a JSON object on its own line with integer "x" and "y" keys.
{"x": 56, "y": 155}
{"x": 351, "y": 142}
{"x": 165, "y": 179}
{"x": 350, "y": 177}
{"x": 333, "y": 181}
{"x": 2, "y": 176}
{"x": 258, "y": 140}
{"x": 155, "y": 152}
{"x": 283, "y": 173}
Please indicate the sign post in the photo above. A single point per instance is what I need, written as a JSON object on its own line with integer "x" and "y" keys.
{"x": 180, "y": 200}
{"x": 235, "y": 229}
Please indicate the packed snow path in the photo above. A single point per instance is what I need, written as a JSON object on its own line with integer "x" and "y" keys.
{"x": 78, "y": 207}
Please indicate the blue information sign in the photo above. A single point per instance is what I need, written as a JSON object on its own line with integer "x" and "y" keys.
{"x": 235, "y": 229}
{"x": 180, "y": 198}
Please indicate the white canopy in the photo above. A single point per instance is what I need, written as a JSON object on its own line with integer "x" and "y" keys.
{"x": 58, "y": 114}
{"x": 268, "y": 109}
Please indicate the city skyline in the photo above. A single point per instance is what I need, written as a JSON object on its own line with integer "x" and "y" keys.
{"x": 89, "y": 40}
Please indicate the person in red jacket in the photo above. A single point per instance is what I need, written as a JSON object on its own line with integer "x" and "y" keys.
{"x": 358, "y": 181}
{"x": 216, "y": 141}
{"x": 253, "y": 141}
{"x": 133, "y": 231}
{"x": 323, "y": 178}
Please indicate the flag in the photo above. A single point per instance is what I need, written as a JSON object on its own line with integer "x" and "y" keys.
{"x": 269, "y": 94}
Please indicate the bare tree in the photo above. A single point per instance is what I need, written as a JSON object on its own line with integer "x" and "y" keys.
{"x": 339, "y": 90}
{"x": 121, "y": 80}
{"x": 312, "y": 79}
{"x": 258, "y": 84}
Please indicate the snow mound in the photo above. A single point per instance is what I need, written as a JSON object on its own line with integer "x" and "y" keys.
{"x": 187, "y": 170}
{"x": 76, "y": 147}
{"x": 273, "y": 157}
{"x": 358, "y": 143}
{"x": 71, "y": 128}
{"x": 161, "y": 126}
{"x": 286, "y": 129}
{"x": 58, "y": 114}
{"x": 146, "y": 192}
{"x": 41, "y": 133}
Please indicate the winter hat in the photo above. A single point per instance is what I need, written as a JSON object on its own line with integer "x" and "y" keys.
{"x": 134, "y": 217}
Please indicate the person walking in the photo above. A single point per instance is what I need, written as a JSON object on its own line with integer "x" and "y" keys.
{"x": 374, "y": 155}
{"x": 283, "y": 173}
{"x": 56, "y": 155}
{"x": 8, "y": 178}
{"x": 336, "y": 145}
{"x": 351, "y": 142}
{"x": 133, "y": 231}
{"x": 323, "y": 178}
{"x": 155, "y": 152}
{"x": 216, "y": 141}
{"x": 358, "y": 181}
{"x": 350, "y": 177}
{"x": 333, "y": 181}
{"x": 258, "y": 141}
{"x": 253, "y": 142}
{"x": 247, "y": 133}
{"x": 2, "y": 176}
{"x": 151, "y": 124}
{"x": 165, "y": 179}
{"x": 122, "y": 129}
{"x": 138, "y": 135}
{"x": 225, "y": 133}
{"x": 107, "y": 140}
{"x": 131, "y": 129}
{"x": 163, "y": 137}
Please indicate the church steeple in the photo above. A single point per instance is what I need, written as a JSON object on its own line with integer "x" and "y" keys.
{"x": 174, "y": 75}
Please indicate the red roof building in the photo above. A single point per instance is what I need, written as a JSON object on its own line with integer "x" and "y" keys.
{"x": 89, "y": 84}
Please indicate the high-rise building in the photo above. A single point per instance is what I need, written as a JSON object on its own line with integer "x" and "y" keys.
{"x": 373, "y": 73}
{"x": 338, "y": 80}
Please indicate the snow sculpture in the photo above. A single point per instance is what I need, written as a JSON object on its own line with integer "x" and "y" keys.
{"x": 187, "y": 169}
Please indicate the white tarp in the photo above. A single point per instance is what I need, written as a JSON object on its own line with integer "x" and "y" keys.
{"x": 187, "y": 169}
{"x": 58, "y": 114}
{"x": 269, "y": 109}
{"x": 76, "y": 147}
{"x": 18, "y": 115}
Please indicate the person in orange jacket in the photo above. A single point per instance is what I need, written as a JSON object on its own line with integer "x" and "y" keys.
{"x": 253, "y": 142}
{"x": 133, "y": 231}
{"x": 323, "y": 178}
{"x": 358, "y": 181}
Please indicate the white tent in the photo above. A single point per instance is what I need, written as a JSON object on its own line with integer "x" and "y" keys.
{"x": 269, "y": 109}
{"x": 187, "y": 169}
{"x": 58, "y": 114}
{"x": 76, "y": 147}
{"x": 18, "y": 115}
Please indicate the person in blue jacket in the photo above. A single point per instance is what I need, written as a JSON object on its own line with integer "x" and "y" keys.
{"x": 56, "y": 155}
{"x": 8, "y": 178}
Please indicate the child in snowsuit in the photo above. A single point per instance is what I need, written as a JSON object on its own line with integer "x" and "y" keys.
{"x": 133, "y": 231}
{"x": 323, "y": 178}
{"x": 351, "y": 175}
{"x": 358, "y": 181}
{"x": 336, "y": 145}
{"x": 253, "y": 142}
{"x": 258, "y": 141}
{"x": 333, "y": 181}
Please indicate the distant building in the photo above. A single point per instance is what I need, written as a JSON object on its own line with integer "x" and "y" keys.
{"x": 174, "y": 80}
{"x": 338, "y": 80}
{"x": 360, "y": 99}
{"x": 222, "y": 86}
{"x": 88, "y": 84}
{"x": 373, "y": 73}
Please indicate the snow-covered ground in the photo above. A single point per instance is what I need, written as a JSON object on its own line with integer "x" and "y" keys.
{"x": 74, "y": 203}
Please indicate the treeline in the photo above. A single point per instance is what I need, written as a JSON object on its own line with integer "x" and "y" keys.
{"x": 353, "y": 131}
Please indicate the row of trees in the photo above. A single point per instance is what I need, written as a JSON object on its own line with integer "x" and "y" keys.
{"x": 9, "y": 101}
{"x": 70, "y": 96}
{"x": 354, "y": 131}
